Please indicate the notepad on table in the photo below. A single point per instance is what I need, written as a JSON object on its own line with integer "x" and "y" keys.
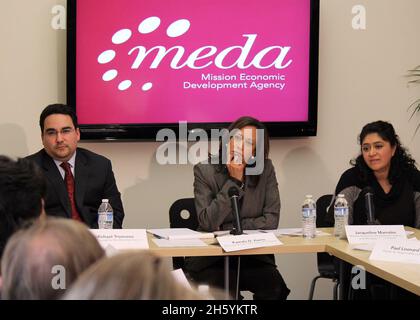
{"x": 180, "y": 233}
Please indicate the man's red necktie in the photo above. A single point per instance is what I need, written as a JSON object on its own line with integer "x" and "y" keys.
{"x": 69, "y": 180}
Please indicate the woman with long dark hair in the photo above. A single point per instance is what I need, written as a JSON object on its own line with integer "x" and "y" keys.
{"x": 385, "y": 166}
{"x": 242, "y": 163}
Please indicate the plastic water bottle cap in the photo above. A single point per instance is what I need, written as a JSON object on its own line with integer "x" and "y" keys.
{"x": 105, "y": 200}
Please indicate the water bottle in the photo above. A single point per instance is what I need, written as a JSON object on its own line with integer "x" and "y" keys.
{"x": 105, "y": 215}
{"x": 309, "y": 217}
{"x": 341, "y": 216}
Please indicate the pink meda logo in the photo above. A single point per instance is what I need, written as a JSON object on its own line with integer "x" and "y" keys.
{"x": 198, "y": 59}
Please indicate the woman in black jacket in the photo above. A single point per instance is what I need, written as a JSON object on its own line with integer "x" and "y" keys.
{"x": 385, "y": 167}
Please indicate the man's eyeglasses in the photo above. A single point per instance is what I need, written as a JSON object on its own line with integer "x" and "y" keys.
{"x": 53, "y": 133}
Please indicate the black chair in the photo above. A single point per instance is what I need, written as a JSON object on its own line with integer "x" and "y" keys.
{"x": 177, "y": 220}
{"x": 327, "y": 267}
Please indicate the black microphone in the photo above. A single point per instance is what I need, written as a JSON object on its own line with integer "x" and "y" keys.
{"x": 234, "y": 196}
{"x": 369, "y": 206}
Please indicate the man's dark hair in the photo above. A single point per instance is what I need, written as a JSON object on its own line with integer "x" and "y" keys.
{"x": 57, "y": 109}
{"x": 22, "y": 188}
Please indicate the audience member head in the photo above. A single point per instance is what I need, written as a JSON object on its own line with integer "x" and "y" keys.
{"x": 42, "y": 261}
{"x": 132, "y": 275}
{"x": 59, "y": 131}
{"x": 22, "y": 190}
{"x": 382, "y": 152}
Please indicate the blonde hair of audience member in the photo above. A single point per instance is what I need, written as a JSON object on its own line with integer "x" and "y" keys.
{"x": 131, "y": 275}
{"x": 32, "y": 255}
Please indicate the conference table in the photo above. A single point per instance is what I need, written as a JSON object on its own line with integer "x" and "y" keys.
{"x": 404, "y": 275}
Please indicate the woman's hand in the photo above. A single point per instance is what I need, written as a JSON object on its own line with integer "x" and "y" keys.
{"x": 236, "y": 166}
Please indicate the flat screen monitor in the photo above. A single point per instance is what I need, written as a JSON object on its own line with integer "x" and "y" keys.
{"x": 138, "y": 66}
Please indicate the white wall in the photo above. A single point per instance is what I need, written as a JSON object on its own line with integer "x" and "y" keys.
{"x": 361, "y": 79}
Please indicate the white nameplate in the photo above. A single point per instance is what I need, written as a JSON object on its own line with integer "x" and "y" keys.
{"x": 122, "y": 239}
{"x": 370, "y": 234}
{"x": 248, "y": 241}
{"x": 397, "y": 251}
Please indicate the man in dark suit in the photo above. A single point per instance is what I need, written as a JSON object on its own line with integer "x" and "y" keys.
{"x": 77, "y": 179}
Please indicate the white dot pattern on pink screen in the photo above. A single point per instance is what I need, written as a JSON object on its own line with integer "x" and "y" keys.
{"x": 148, "y": 25}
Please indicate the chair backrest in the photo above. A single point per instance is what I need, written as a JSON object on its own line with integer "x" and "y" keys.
{"x": 326, "y": 264}
{"x": 321, "y": 210}
{"x": 176, "y": 220}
